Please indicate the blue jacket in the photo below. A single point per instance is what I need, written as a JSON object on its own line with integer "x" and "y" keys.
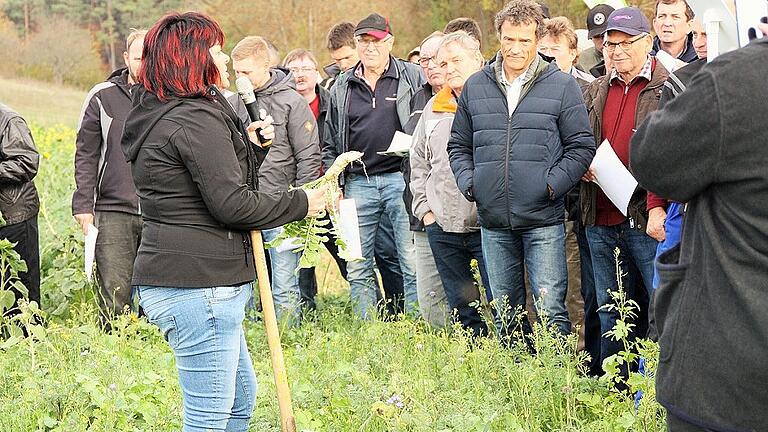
{"x": 505, "y": 163}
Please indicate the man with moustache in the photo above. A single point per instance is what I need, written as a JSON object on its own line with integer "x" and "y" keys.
{"x": 433, "y": 303}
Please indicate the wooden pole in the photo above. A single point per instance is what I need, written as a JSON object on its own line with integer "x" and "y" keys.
{"x": 287, "y": 421}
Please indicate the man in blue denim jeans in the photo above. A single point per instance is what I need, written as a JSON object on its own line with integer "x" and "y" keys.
{"x": 368, "y": 104}
{"x": 521, "y": 140}
{"x": 293, "y": 158}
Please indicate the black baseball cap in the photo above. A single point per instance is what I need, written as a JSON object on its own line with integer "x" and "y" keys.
{"x": 597, "y": 19}
{"x": 374, "y": 25}
{"x": 629, "y": 20}
{"x": 544, "y": 10}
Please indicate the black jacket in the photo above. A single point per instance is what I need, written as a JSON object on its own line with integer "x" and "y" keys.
{"x": 678, "y": 81}
{"x": 707, "y": 147}
{"x": 191, "y": 169}
{"x": 689, "y": 53}
{"x": 18, "y": 166}
{"x": 102, "y": 176}
{"x": 505, "y": 163}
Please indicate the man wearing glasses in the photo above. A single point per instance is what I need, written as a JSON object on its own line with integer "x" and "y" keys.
{"x": 617, "y": 104}
{"x": 433, "y": 303}
{"x": 368, "y": 105}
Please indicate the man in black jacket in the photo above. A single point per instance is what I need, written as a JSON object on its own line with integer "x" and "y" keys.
{"x": 672, "y": 24}
{"x": 105, "y": 194}
{"x": 369, "y": 104}
{"x": 18, "y": 199}
{"x": 520, "y": 140}
{"x": 711, "y": 304}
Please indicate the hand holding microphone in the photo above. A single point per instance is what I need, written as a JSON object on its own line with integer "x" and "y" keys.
{"x": 260, "y": 131}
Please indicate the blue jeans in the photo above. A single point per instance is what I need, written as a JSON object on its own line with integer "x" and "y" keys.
{"x": 453, "y": 253}
{"x": 637, "y": 248}
{"x": 377, "y": 198}
{"x": 204, "y": 327}
{"x": 286, "y": 292}
{"x": 507, "y": 254}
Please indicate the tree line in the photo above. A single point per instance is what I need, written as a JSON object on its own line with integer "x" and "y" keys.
{"x": 77, "y": 42}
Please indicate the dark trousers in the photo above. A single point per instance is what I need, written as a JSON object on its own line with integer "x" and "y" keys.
{"x": 591, "y": 317}
{"x": 676, "y": 424}
{"x": 453, "y": 253}
{"x": 116, "y": 247}
{"x": 25, "y": 235}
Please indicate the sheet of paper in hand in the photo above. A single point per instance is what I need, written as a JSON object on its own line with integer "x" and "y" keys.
{"x": 400, "y": 145}
{"x": 613, "y": 177}
{"x": 349, "y": 230}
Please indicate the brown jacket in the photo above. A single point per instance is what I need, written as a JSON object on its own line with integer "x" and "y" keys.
{"x": 647, "y": 102}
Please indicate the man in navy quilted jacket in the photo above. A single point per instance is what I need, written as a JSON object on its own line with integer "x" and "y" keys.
{"x": 521, "y": 139}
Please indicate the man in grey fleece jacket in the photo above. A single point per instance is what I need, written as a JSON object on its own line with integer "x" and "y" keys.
{"x": 707, "y": 148}
{"x": 293, "y": 158}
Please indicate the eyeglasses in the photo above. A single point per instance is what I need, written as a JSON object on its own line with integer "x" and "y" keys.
{"x": 376, "y": 43}
{"x": 424, "y": 61}
{"x": 304, "y": 70}
{"x": 625, "y": 45}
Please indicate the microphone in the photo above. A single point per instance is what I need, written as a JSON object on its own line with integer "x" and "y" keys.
{"x": 245, "y": 90}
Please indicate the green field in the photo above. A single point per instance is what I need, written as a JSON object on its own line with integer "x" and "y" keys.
{"x": 42, "y": 102}
{"x": 345, "y": 375}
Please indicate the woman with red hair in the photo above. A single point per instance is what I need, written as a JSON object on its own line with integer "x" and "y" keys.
{"x": 194, "y": 165}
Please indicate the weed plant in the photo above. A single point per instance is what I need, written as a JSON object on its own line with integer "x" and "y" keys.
{"x": 345, "y": 374}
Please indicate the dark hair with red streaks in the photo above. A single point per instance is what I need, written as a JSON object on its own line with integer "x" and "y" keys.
{"x": 176, "y": 61}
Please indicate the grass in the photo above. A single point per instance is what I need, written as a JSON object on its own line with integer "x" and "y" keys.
{"x": 345, "y": 375}
{"x": 42, "y": 102}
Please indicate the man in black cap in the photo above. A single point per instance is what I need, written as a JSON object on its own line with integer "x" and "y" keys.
{"x": 597, "y": 22}
{"x": 368, "y": 105}
{"x": 617, "y": 104}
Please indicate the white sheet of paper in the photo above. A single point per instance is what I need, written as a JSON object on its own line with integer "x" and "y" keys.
{"x": 400, "y": 145}
{"x": 613, "y": 177}
{"x": 349, "y": 229}
{"x": 90, "y": 250}
{"x": 670, "y": 63}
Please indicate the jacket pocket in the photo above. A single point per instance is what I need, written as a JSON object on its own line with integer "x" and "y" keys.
{"x": 10, "y": 193}
{"x": 668, "y": 300}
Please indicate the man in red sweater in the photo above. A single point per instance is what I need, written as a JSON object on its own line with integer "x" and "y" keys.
{"x": 617, "y": 104}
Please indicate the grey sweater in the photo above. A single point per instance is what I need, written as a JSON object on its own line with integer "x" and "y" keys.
{"x": 294, "y": 156}
{"x": 707, "y": 147}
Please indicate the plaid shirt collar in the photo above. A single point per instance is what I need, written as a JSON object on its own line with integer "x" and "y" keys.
{"x": 646, "y": 72}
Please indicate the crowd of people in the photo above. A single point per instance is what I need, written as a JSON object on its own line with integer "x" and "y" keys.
{"x": 173, "y": 171}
